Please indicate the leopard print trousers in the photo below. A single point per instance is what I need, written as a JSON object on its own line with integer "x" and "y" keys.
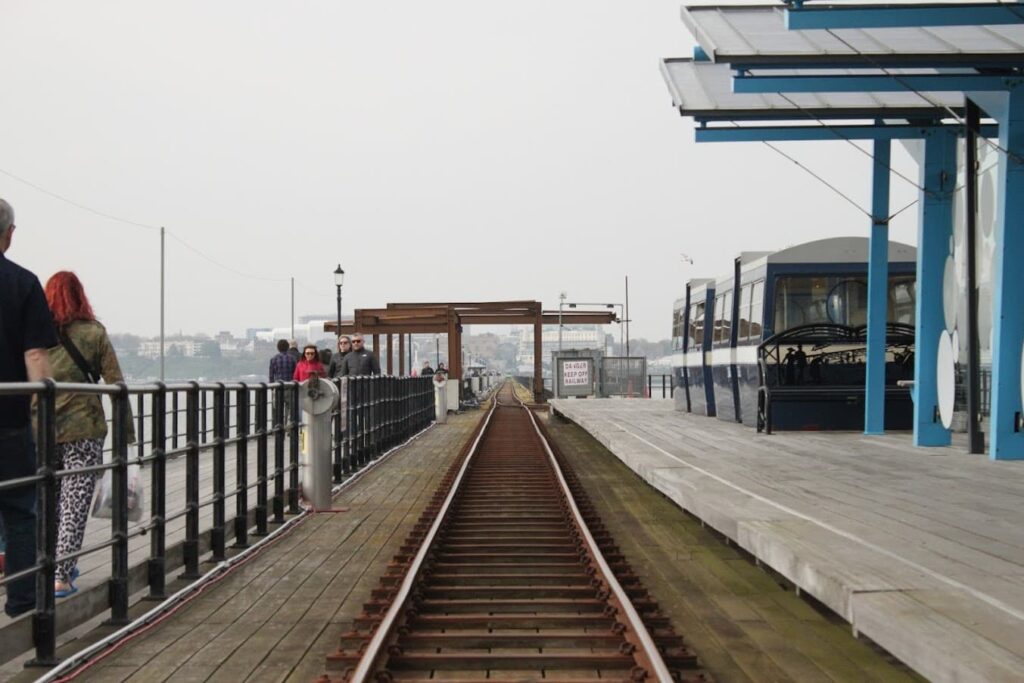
{"x": 74, "y": 496}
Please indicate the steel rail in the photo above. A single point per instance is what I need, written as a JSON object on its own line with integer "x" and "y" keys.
{"x": 635, "y": 621}
{"x": 364, "y": 670}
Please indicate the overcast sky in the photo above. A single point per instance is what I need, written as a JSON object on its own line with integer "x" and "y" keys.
{"x": 454, "y": 150}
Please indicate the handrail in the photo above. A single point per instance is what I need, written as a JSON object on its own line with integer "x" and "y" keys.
{"x": 260, "y": 421}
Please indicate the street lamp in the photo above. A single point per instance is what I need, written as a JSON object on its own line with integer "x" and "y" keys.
{"x": 437, "y": 350}
{"x": 339, "y": 280}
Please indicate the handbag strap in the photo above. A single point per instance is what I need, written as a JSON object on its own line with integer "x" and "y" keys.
{"x": 76, "y": 356}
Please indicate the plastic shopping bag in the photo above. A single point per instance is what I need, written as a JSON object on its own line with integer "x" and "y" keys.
{"x": 103, "y": 504}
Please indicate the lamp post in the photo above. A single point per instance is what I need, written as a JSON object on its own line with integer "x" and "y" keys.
{"x": 561, "y": 302}
{"x": 339, "y": 280}
{"x": 437, "y": 350}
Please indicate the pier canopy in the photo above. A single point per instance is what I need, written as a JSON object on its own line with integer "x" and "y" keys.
{"x": 949, "y": 75}
{"x": 449, "y": 318}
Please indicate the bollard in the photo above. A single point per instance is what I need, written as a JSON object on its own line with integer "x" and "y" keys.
{"x": 319, "y": 397}
{"x": 440, "y": 398}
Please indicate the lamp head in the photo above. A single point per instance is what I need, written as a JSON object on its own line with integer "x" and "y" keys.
{"x": 339, "y": 276}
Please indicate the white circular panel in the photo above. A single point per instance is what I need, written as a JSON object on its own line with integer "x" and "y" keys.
{"x": 950, "y": 294}
{"x": 955, "y": 343}
{"x": 986, "y": 205}
{"x": 1022, "y": 375}
{"x": 945, "y": 379}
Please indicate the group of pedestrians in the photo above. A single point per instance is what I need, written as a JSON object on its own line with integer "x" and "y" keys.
{"x": 48, "y": 333}
{"x": 351, "y": 359}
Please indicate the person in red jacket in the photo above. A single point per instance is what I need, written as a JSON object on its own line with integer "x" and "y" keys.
{"x": 309, "y": 364}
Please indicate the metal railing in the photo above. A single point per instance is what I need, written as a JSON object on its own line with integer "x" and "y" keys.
{"x": 665, "y": 383}
{"x": 373, "y": 415}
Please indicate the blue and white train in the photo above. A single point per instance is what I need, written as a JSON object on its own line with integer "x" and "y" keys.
{"x": 723, "y": 327}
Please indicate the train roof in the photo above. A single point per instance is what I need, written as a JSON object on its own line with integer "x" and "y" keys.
{"x": 832, "y": 250}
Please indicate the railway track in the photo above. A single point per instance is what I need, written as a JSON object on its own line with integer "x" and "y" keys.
{"x": 510, "y": 576}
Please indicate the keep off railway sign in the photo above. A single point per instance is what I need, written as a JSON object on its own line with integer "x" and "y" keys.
{"x": 575, "y": 373}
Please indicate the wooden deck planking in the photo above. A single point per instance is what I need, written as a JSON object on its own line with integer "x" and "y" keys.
{"x": 280, "y": 614}
{"x": 846, "y": 516}
{"x": 741, "y": 623}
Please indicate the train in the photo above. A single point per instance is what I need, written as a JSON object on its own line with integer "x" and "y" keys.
{"x": 787, "y": 328}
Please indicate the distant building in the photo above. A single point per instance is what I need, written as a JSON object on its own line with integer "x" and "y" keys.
{"x": 186, "y": 347}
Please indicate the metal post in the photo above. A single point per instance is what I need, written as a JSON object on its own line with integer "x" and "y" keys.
{"x": 627, "y": 320}
{"x": 242, "y": 467}
{"x": 279, "y": 428}
{"x": 1006, "y": 428}
{"x": 878, "y": 291}
{"x": 220, "y": 435}
{"x": 293, "y": 308}
{"x": 157, "y": 565}
{"x": 174, "y": 420}
{"x": 261, "y": 460}
{"x": 118, "y": 595}
{"x": 162, "y": 297}
{"x": 935, "y": 226}
{"x": 190, "y": 548}
{"x": 338, "y": 329}
{"x": 293, "y": 444}
{"x": 44, "y": 620}
{"x": 975, "y": 437}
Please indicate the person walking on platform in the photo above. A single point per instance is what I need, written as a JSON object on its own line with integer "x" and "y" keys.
{"x": 26, "y": 332}
{"x": 282, "y": 365}
{"x": 427, "y": 371}
{"x": 293, "y": 350}
{"x": 359, "y": 361}
{"x": 309, "y": 364}
{"x": 344, "y": 348}
{"x": 84, "y": 355}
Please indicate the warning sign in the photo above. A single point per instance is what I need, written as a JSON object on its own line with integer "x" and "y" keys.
{"x": 575, "y": 373}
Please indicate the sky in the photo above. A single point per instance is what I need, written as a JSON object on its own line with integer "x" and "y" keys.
{"x": 446, "y": 151}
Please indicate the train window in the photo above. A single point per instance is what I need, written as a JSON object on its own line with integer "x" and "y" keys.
{"x": 723, "y": 318}
{"x": 838, "y": 299}
{"x": 902, "y": 299}
{"x": 677, "y": 329}
{"x": 696, "y": 327}
{"x": 756, "y": 309}
{"x": 743, "y": 317}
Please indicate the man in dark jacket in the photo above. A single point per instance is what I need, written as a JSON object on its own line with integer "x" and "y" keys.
{"x": 26, "y": 332}
{"x": 359, "y": 361}
{"x": 282, "y": 366}
{"x": 427, "y": 371}
{"x": 344, "y": 347}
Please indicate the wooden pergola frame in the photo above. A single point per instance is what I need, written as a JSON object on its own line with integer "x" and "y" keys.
{"x": 448, "y": 318}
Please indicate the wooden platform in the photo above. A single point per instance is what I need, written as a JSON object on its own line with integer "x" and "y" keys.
{"x": 922, "y": 550}
{"x": 278, "y": 616}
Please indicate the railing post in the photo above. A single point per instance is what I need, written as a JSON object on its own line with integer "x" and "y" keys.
{"x": 44, "y": 620}
{"x": 338, "y": 470}
{"x": 242, "y": 467}
{"x": 174, "y": 420}
{"x": 220, "y": 433}
{"x": 346, "y": 435}
{"x": 190, "y": 548}
{"x": 279, "y": 407}
{"x": 261, "y": 460}
{"x": 293, "y": 448}
{"x": 157, "y": 566}
{"x": 203, "y": 409}
{"x": 140, "y": 429}
{"x": 118, "y": 595}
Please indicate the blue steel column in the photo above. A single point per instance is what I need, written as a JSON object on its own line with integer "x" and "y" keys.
{"x": 1006, "y": 440}
{"x": 878, "y": 286}
{"x": 935, "y": 227}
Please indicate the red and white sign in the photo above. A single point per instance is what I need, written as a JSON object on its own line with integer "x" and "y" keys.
{"x": 575, "y": 373}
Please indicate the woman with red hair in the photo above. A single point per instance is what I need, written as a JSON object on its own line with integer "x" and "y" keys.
{"x": 84, "y": 355}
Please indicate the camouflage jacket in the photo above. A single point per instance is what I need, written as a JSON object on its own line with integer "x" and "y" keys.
{"x": 80, "y": 416}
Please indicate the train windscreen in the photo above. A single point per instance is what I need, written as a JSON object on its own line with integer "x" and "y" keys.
{"x": 837, "y": 299}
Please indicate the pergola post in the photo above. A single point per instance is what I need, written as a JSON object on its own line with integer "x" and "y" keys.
{"x": 935, "y": 227}
{"x": 391, "y": 354}
{"x": 878, "y": 290}
{"x": 538, "y": 351}
{"x": 401, "y": 355}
